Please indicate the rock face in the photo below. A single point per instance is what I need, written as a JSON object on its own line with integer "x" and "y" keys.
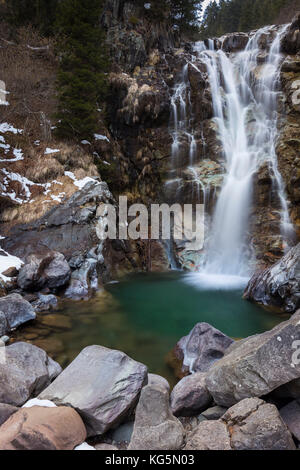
{"x": 14, "y": 311}
{"x": 25, "y": 371}
{"x": 40, "y": 428}
{"x": 190, "y": 396}
{"x": 155, "y": 428}
{"x": 203, "y": 346}
{"x": 279, "y": 285}
{"x": 256, "y": 366}
{"x": 103, "y": 385}
{"x": 256, "y": 425}
{"x": 49, "y": 269}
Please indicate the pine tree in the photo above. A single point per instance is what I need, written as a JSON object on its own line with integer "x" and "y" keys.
{"x": 81, "y": 77}
{"x": 38, "y": 13}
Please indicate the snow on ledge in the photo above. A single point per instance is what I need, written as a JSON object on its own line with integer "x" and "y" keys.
{"x": 79, "y": 183}
{"x": 8, "y": 261}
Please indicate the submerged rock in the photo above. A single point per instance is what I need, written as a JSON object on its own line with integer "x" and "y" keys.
{"x": 14, "y": 311}
{"x": 203, "y": 346}
{"x": 279, "y": 285}
{"x": 190, "y": 396}
{"x": 155, "y": 428}
{"x": 102, "y": 384}
{"x": 40, "y": 428}
{"x": 25, "y": 371}
{"x": 257, "y": 365}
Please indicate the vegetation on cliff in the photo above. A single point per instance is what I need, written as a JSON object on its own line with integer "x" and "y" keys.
{"x": 228, "y": 16}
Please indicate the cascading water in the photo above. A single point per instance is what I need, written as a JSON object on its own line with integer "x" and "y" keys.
{"x": 244, "y": 96}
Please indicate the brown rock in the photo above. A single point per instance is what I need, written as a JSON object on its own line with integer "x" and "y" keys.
{"x": 209, "y": 435}
{"x": 41, "y": 428}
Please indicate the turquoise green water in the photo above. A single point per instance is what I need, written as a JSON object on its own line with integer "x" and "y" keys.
{"x": 145, "y": 315}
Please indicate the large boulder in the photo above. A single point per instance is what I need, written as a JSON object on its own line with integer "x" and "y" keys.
{"x": 203, "y": 346}
{"x": 49, "y": 269}
{"x": 258, "y": 365}
{"x": 42, "y": 428}
{"x": 252, "y": 424}
{"x": 190, "y": 396}
{"x": 14, "y": 311}
{"x": 257, "y": 425}
{"x": 279, "y": 285}
{"x": 25, "y": 371}
{"x": 155, "y": 428}
{"x": 102, "y": 384}
{"x": 234, "y": 42}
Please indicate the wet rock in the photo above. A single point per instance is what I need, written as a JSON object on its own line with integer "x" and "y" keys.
{"x": 6, "y": 411}
{"x": 155, "y": 428}
{"x": 40, "y": 428}
{"x": 83, "y": 280}
{"x": 203, "y": 346}
{"x": 45, "y": 303}
{"x": 279, "y": 285}
{"x": 209, "y": 435}
{"x": 291, "y": 416}
{"x": 49, "y": 269}
{"x": 234, "y": 42}
{"x": 61, "y": 322}
{"x": 14, "y": 311}
{"x": 154, "y": 379}
{"x": 256, "y": 425}
{"x": 257, "y": 365}
{"x": 103, "y": 385}
{"x": 190, "y": 396}
{"x": 26, "y": 371}
{"x": 290, "y": 42}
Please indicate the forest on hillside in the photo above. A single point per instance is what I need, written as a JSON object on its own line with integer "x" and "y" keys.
{"x": 228, "y": 16}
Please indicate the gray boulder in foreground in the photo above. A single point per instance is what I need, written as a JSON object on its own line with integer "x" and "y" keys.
{"x": 25, "y": 370}
{"x": 102, "y": 384}
{"x": 14, "y": 311}
{"x": 279, "y": 285}
{"x": 190, "y": 396}
{"x": 155, "y": 428}
{"x": 258, "y": 365}
{"x": 291, "y": 416}
{"x": 251, "y": 424}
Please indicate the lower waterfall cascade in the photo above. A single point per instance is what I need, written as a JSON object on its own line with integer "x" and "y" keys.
{"x": 245, "y": 91}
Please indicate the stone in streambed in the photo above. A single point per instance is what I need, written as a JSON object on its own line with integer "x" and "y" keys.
{"x": 215, "y": 412}
{"x": 45, "y": 303}
{"x": 256, "y": 366}
{"x": 56, "y": 321}
{"x": 209, "y": 435}
{"x": 14, "y": 311}
{"x": 155, "y": 428}
{"x": 257, "y": 425}
{"x": 291, "y": 416}
{"x": 190, "y": 396}
{"x": 40, "y": 428}
{"x": 203, "y": 346}
{"x": 25, "y": 372}
{"x": 102, "y": 384}
{"x": 155, "y": 379}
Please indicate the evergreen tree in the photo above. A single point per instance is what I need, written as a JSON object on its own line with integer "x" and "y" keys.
{"x": 83, "y": 63}
{"x": 39, "y": 13}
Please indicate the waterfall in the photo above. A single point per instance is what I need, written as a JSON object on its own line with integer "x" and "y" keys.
{"x": 244, "y": 89}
